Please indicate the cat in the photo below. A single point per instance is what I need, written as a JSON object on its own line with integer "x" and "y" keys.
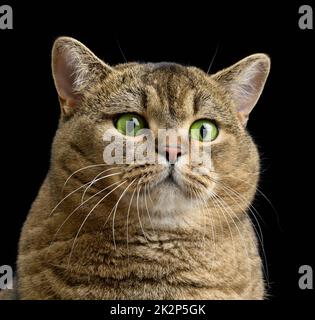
{"x": 146, "y": 230}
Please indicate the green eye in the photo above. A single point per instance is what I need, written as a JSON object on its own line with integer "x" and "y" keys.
{"x": 130, "y": 124}
{"x": 204, "y": 130}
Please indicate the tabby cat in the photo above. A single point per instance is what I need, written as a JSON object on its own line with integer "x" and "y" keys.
{"x": 143, "y": 230}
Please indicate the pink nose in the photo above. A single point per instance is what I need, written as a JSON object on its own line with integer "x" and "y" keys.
{"x": 171, "y": 153}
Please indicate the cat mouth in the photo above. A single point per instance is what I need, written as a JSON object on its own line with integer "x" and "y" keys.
{"x": 170, "y": 180}
{"x": 167, "y": 179}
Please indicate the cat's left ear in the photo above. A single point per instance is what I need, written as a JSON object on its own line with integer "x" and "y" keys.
{"x": 245, "y": 81}
{"x": 74, "y": 69}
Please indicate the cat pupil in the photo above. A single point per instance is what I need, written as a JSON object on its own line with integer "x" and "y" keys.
{"x": 131, "y": 125}
{"x": 204, "y": 131}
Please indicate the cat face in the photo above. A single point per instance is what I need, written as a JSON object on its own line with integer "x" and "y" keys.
{"x": 199, "y": 151}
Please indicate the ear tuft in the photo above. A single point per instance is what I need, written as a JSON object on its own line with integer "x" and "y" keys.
{"x": 245, "y": 81}
{"x": 74, "y": 68}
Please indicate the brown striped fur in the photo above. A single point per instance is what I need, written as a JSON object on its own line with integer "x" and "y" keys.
{"x": 191, "y": 248}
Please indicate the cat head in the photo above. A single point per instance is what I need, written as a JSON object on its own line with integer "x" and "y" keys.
{"x": 206, "y": 113}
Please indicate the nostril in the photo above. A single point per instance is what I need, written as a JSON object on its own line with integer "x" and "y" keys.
{"x": 167, "y": 156}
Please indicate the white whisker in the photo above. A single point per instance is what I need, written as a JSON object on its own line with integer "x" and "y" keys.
{"x": 127, "y": 231}
{"x": 116, "y": 206}
{"x": 140, "y": 223}
{"x": 88, "y": 215}
{"x": 78, "y": 207}
{"x": 84, "y": 168}
{"x": 96, "y": 179}
{"x": 146, "y": 205}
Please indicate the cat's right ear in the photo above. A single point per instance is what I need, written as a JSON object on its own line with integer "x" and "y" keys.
{"x": 74, "y": 69}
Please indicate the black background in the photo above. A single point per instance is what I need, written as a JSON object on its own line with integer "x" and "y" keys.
{"x": 281, "y": 124}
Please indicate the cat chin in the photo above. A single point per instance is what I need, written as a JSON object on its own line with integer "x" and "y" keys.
{"x": 172, "y": 208}
{"x": 169, "y": 197}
